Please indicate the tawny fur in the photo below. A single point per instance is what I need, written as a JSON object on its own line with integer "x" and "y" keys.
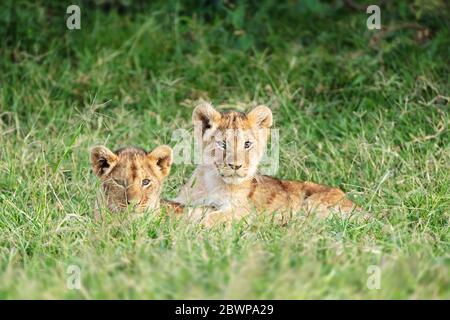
{"x": 227, "y": 178}
{"x": 132, "y": 177}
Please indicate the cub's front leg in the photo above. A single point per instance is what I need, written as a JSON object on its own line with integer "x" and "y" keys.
{"x": 225, "y": 215}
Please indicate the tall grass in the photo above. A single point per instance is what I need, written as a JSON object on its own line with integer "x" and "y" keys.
{"x": 367, "y": 111}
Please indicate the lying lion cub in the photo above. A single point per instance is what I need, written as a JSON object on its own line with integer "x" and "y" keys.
{"x": 132, "y": 177}
{"x": 233, "y": 145}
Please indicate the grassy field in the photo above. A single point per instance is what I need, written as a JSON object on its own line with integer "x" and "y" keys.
{"x": 365, "y": 110}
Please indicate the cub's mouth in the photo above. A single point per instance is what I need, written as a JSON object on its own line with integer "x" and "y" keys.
{"x": 232, "y": 176}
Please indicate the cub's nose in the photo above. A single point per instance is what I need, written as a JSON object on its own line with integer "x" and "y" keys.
{"x": 234, "y": 166}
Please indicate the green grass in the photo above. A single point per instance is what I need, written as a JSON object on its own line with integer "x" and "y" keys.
{"x": 371, "y": 119}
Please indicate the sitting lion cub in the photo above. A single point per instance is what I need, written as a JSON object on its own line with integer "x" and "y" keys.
{"x": 233, "y": 145}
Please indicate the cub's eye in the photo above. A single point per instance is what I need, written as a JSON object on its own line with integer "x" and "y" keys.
{"x": 222, "y": 144}
{"x": 145, "y": 182}
{"x": 248, "y": 144}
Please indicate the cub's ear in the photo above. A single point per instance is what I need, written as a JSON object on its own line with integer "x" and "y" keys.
{"x": 102, "y": 160}
{"x": 260, "y": 117}
{"x": 162, "y": 156}
{"x": 206, "y": 115}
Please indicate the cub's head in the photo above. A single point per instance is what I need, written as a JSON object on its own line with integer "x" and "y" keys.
{"x": 131, "y": 176}
{"x": 233, "y": 142}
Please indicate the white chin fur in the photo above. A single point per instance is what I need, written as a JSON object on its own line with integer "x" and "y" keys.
{"x": 233, "y": 180}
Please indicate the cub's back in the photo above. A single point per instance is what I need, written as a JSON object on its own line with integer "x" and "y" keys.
{"x": 269, "y": 193}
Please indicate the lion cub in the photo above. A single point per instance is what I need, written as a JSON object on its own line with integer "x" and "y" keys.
{"x": 233, "y": 144}
{"x": 132, "y": 177}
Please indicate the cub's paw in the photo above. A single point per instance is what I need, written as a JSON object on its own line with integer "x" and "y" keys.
{"x": 217, "y": 218}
